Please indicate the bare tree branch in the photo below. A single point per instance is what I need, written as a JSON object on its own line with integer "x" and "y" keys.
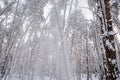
{"x": 7, "y": 7}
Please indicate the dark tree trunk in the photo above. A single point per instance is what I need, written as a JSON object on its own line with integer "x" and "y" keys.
{"x": 111, "y": 67}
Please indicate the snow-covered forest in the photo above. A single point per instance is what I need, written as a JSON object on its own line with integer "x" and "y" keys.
{"x": 59, "y": 39}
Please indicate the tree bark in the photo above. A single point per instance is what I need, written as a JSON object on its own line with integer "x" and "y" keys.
{"x": 111, "y": 67}
{"x": 87, "y": 59}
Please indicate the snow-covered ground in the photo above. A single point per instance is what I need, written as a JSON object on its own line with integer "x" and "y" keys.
{"x": 83, "y": 77}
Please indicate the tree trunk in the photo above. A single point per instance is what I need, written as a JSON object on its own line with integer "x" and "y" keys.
{"x": 1, "y": 63}
{"x": 87, "y": 59}
{"x": 111, "y": 67}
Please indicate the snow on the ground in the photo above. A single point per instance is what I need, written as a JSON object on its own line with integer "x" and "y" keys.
{"x": 83, "y": 77}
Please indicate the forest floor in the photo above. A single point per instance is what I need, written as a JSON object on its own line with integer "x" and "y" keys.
{"x": 83, "y": 77}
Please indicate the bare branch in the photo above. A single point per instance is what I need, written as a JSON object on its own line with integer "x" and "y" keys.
{"x": 7, "y": 7}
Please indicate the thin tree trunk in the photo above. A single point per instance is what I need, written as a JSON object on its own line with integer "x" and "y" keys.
{"x": 87, "y": 59}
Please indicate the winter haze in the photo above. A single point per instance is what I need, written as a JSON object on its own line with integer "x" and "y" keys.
{"x": 59, "y": 39}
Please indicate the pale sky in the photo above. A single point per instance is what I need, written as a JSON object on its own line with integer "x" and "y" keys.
{"x": 87, "y": 13}
{"x": 82, "y": 4}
